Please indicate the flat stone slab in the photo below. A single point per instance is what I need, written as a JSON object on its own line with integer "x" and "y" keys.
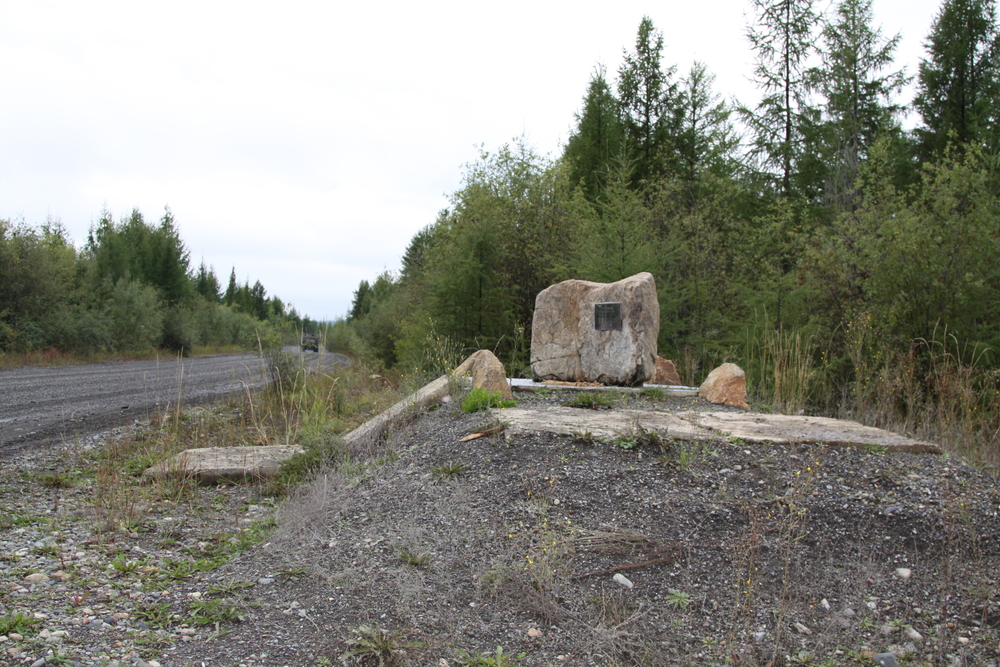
{"x": 376, "y": 427}
{"x": 216, "y": 464}
{"x": 521, "y": 384}
{"x": 692, "y": 425}
{"x": 599, "y": 424}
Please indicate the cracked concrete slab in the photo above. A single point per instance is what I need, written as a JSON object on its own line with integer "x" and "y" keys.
{"x": 693, "y": 425}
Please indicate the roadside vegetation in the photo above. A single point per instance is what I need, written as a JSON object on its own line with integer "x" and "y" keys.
{"x": 846, "y": 263}
{"x": 128, "y": 291}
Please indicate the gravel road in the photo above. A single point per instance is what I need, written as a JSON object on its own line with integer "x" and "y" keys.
{"x": 39, "y": 406}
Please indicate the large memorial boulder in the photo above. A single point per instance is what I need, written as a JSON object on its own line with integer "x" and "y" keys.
{"x": 596, "y": 332}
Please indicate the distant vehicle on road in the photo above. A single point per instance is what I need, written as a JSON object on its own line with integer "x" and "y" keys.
{"x": 310, "y": 342}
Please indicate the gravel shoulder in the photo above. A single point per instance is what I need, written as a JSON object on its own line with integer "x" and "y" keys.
{"x": 734, "y": 552}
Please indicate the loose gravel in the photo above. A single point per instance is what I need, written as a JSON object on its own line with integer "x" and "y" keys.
{"x": 570, "y": 551}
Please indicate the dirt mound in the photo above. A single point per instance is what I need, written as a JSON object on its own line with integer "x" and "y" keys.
{"x": 731, "y": 553}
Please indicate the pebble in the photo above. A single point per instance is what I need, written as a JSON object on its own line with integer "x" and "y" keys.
{"x": 802, "y": 629}
{"x": 903, "y": 573}
{"x": 622, "y": 580}
{"x": 264, "y": 581}
{"x": 885, "y": 659}
{"x": 534, "y": 632}
{"x": 913, "y": 634}
{"x": 964, "y": 641}
{"x": 825, "y": 604}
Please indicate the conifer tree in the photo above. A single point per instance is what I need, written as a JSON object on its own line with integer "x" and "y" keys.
{"x": 959, "y": 82}
{"x": 648, "y": 98}
{"x": 782, "y": 39}
{"x": 598, "y": 138}
{"x": 857, "y": 95}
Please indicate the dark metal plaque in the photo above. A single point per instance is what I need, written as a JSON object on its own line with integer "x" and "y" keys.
{"x": 608, "y": 316}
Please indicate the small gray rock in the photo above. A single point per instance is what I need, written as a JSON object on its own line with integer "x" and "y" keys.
{"x": 885, "y": 659}
{"x": 264, "y": 581}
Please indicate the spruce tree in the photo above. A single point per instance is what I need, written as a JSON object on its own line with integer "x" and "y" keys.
{"x": 958, "y": 82}
{"x": 598, "y": 138}
{"x": 857, "y": 95}
{"x": 648, "y": 97}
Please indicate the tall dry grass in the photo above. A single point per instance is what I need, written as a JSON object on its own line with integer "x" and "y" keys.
{"x": 938, "y": 389}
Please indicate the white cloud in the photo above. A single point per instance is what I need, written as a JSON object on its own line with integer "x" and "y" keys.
{"x": 305, "y": 143}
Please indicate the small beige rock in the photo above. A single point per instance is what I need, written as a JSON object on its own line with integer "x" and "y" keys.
{"x": 903, "y": 573}
{"x": 15, "y": 637}
{"x": 964, "y": 641}
{"x": 802, "y": 629}
{"x": 726, "y": 385}
{"x": 534, "y": 632}
{"x": 37, "y": 577}
{"x": 622, "y": 580}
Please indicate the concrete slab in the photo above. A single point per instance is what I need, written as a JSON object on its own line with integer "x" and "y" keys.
{"x": 373, "y": 429}
{"x": 693, "y": 425}
{"x": 217, "y": 464}
{"x": 600, "y": 424}
{"x": 792, "y": 429}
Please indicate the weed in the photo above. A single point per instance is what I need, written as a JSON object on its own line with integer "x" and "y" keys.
{"x": 125, "y": 566}
{"x": 228, "y": 587}
{"x": 290, "y": 572}
{"x": 678, "y": 599}
{"x": 652, "y": 392}
{"x": 495, "y": 659}
{"x": 214, "y": 612}
{"x": 376, "y": 646}
{"x": 15, "y": 621}
{"x": 57, "y": 481}
{"x": 416, "y": 560}
{"x": 595, "y": 400}
{"x": 451, "y": 470}
{"x": 155, "y": 614}
{"x": 480, "y": 398}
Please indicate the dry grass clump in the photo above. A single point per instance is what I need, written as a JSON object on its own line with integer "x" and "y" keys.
{"x": 939, "y": 390}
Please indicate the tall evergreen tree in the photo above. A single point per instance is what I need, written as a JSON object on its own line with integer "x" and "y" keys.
{"x": 959, "y": 82}
{"x": 706, "y": 140}
{"x": 598, "y": 138}
{"x": 648, "y": 97}
{"x": 857, "y": 95}
{"x": 783, "y": 40}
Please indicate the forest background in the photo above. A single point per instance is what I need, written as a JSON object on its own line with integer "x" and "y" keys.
{"x": 129, "y": 290}
{"x": 849, "y": 265}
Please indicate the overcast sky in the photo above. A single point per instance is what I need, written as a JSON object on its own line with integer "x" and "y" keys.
{"x": 304, "y": 143}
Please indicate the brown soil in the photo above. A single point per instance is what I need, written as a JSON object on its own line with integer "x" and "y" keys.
{"x": 737, "y": 554}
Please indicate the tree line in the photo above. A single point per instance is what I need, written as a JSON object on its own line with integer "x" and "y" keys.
{"x": 129, "y": 288}
{"x": 811, "y": 215}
